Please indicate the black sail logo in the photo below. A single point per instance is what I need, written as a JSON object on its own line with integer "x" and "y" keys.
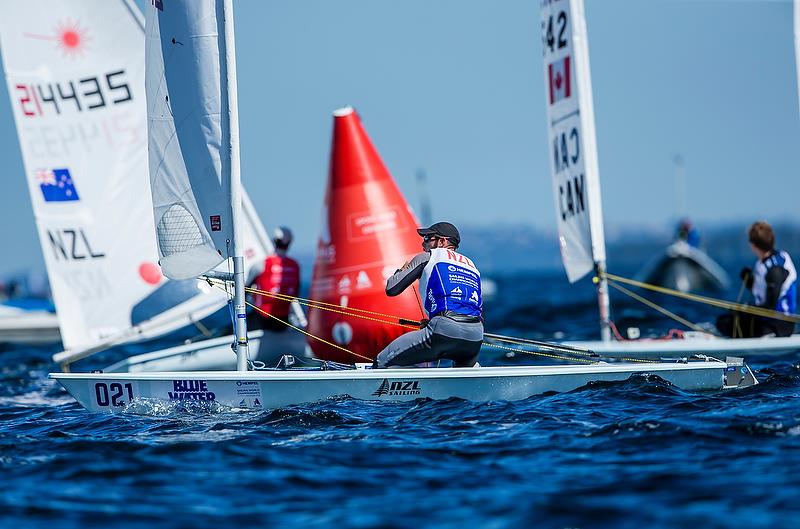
{"x": 398, "y": 387}
{"x": 383, "y": 389}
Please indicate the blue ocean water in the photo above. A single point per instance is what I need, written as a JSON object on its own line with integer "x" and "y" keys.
{"x": 638, "y": 453}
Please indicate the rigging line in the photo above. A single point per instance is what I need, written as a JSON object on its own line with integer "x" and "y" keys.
{"x": 547, "y": 352}
{"x": 737, "y": 328}
{"x": 497, "y": 346}
{"x": 657, "y": 307}
{"x": 556, "y": 348}
{"x": 412, "y": 324}
{"x": 543, "y": 345}
{"x": 539, "y": 353}
{"x": 326, "y": 342}
{"x": 741, "y": 291}
{"x": 285, "y": 297}
{"x": 400, "y": 322}
{"x": 749, "y": 309}
{"x": 560, "y": 347}
{"x": 419, "y": 303}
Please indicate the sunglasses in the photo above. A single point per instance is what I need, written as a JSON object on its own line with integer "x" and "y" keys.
{"x": 433, "y": 237}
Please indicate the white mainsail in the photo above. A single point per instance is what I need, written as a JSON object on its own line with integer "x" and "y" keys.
{"x": 185, "y": 102}
{"x": 571, "y": 134}
{"x": 573, "y": 146}
{"x": 75, "y": 84}
{"x": 75, "y": 74}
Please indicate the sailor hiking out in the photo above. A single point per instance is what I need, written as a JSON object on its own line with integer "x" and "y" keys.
{"x": 450, "y": 285}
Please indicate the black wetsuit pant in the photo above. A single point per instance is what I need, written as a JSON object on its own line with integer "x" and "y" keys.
{"x": 442, "y": 338}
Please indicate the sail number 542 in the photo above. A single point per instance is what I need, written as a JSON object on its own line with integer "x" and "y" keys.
{"x": 112, "y": 394}
{"x": 554, "y": 32}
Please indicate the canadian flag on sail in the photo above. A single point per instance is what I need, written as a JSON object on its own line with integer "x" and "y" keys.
{"x": 559, "y": 80}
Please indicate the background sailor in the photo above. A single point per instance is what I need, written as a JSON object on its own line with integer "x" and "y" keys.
{"x": 281, "y": 275}
{"x": 773, "y": 283}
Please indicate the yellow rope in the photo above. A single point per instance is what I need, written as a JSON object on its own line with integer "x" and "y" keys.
{"x": 326, "y": 342}
{"x": 328, "y": 307}
{"x": 749, "y": 309}
{"x": 522, "y": 341}
{"x": 538, "y": 353}
{"x": 657, "y": 307}
{"x": 316, "y": 303}
{"x": 265, "y": 313}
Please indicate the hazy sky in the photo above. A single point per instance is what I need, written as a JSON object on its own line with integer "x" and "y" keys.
{"x": 456, "y": 87}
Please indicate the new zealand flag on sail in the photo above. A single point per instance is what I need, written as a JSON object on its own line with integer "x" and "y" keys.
{"x": 57, "y": 185}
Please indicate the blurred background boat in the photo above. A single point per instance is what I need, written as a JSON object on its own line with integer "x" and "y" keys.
{"x": 27, "y": 313}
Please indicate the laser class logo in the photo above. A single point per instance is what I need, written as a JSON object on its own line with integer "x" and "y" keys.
{"x": 397, "y": 388}
{"x": 57, "y": 185}
{"x": 70, "y": 38}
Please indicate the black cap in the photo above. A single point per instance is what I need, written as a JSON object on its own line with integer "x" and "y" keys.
{"x": 442, "y": 229}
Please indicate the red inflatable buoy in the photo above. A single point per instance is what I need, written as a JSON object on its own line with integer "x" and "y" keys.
{"x": 368, "y": 231}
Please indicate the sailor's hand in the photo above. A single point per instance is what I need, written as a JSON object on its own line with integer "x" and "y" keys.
{"x": 745, "y": 273}
{"x": 423, "y": 323}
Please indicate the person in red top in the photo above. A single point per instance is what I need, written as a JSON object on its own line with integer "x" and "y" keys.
{"x": 281, "y": 275}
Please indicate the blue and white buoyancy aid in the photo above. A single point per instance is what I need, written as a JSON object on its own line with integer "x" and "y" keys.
{"x": 450, "y": 281}
{"x": 787, "y": 299}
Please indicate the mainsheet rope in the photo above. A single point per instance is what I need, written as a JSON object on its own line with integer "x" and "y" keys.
{"x": 402, "y": 322}
{"x": 737, "y": 307}
{"x": 326, "y": 342}
{"x": 657, "y": 307}
{"x": 390, "y": 319}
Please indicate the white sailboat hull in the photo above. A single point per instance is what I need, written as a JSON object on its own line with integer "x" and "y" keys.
{"x": 708, "y": 344}
{"x": 115, "y": 392}
{"x": 29, "y": 327}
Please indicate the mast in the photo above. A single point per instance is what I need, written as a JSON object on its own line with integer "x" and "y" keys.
{"x": 232, "y": 153}
{"x": 583, "y": 78}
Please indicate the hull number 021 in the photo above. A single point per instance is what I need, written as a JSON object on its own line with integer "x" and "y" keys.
{"x": 114, "y": 394}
